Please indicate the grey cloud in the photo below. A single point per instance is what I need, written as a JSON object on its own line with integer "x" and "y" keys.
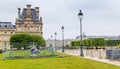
{"x": 99, "y": 15}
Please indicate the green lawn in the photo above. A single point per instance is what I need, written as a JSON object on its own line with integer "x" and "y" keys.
{"x": 57, "y": 62}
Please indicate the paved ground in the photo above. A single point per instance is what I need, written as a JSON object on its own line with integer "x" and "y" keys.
{"x": 95, "y": 57}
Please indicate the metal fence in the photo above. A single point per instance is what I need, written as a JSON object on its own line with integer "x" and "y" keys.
{"x": 32, "y": 50}
{"x": 97, "y": 53}
{"x": 113, "y": 54}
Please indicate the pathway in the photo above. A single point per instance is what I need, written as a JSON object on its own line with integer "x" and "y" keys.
{"x": 76, "y": 53}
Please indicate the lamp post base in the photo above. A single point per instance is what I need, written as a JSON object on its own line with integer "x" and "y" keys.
{"x": 81, "y": 51}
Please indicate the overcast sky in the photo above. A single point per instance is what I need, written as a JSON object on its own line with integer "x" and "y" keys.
{"x": 101, "y": 17}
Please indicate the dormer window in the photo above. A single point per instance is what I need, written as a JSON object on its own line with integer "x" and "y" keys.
{"x": 5, "y": 26}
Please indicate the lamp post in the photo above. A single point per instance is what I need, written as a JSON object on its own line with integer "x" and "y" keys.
{"x": 51, "y": 40}
{"x": 80, "y": 16}
{"x": 48, "y": 42}
{"x": 55, "y": 42}
{"x": 62, "y": 28}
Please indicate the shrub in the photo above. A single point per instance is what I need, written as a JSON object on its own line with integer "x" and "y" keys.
{"x": 0, "y": 51}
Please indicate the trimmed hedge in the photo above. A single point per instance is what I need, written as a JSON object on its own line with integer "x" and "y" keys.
{"x": 90, "y": 42}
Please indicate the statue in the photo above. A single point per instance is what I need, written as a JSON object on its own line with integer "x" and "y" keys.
{"x": 40, "y": 19}
{"x": 34, "y": 50}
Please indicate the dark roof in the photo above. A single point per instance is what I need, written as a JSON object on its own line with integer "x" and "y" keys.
{"x": 33, "y": 14}
{"x": 6, "y": 25}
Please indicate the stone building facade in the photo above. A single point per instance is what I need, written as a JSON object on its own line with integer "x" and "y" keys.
{"x": 28, "y": 21}
{"x": 6, "y": 30}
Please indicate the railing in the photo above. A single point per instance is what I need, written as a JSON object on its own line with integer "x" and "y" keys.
{"x": 97, "y": 53}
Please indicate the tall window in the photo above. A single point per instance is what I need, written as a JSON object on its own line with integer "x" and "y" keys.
{"x": 4, "y": 32}
{"x": 25, "y": 27}
{"x": 5, "y": 45}
{"x": 37, "y": 30}
{"x": 37, "y": 26}
{"x": 5, "y": 37}
{"x": 11, "y": 32}
{"x": 31, "y": 28}
{"x": 19, "y": 27}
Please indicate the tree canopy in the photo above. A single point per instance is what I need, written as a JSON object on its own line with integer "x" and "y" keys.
{"x": 25, "y": 40}
{"x": 90, "y": 42}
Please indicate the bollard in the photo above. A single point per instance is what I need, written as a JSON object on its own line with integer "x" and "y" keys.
{"x": 100, "y": 55}
{"x": 91, "y": 54}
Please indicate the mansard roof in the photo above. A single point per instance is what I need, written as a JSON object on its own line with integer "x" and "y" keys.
{"x": 7, "y": 25}
{"x": 33, "y": 15}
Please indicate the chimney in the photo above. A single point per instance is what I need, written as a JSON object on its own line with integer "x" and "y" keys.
{"x": 37, "y": 11}
{"x": 28, "y": 6}
{"x": 19, "y": 13}
{"x": 28, "y": 11}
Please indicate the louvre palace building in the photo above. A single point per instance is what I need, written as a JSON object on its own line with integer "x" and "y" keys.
{"x": 28, "y": 21}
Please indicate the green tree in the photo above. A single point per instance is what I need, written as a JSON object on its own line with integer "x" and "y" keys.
{"x": 23, "y": 40}
{"x": 75, "y": 43}
{"x": 98, "y": 41}
{"x": 39, "y": 40}
{"x": 72, "y": 43}
{"x": 90, "y": 42}
{"x": 20, "y": 40}
{"x": 112, "y": 42}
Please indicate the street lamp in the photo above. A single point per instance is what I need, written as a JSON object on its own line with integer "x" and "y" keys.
{"x": 48, "y": 42}
{"x": 80, "y": 16}
{"x": 62, "y": 28}
{"x": 51, "y": 40}
{"x": 55, "y": 42}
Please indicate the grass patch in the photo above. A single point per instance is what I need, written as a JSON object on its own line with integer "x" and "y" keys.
{"x": 62, "y": 61}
